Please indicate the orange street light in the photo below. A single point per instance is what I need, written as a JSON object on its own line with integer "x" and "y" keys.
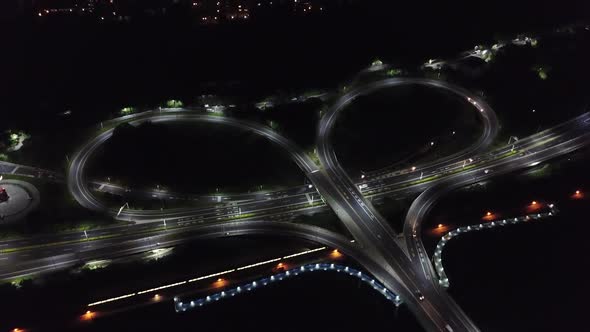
{"x": 440, "y": 225}
{"x": 489, "y": 216}
{"x": 157, "y": 297}
{"x": 88, "y": 315}
{"x": 220, "y": 282}
{"x": 534, "y": 203}
{"x": 578, "y": 194}
{"x": 280, "y": 267}
{"x": 335, "y": 253}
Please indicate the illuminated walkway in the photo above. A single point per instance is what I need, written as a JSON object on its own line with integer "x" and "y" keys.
{"x": 437, "y": 257}
{"x": 182, "y": 306}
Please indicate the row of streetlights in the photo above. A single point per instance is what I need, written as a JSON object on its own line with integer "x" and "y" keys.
{"x": 489, "y": 215}
{"x": 218, "y": 283}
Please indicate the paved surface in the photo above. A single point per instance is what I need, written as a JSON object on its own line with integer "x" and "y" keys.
{"x": 436, "y": 310}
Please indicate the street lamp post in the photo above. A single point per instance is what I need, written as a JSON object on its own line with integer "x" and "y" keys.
{"x": 122, "y": 207}
{"x": 512, "y": 138}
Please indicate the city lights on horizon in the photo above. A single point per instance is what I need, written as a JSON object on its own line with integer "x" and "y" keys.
{"x": 205, "y": 11}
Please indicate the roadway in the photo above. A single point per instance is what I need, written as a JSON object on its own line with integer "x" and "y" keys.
{"x": 435, "y": 311}
{"x": 380, "y": 251}
{"x": 332, "y": 182}
{"x": 78, "y": 186}
{"x": 559, "y": 141}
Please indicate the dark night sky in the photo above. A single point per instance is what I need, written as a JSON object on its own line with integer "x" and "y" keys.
{"x": 57, "y": 64}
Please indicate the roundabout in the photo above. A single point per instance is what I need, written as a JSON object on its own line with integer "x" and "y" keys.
{"x": 17, "y": 200}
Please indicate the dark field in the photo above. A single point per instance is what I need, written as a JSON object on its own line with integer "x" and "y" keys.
{"x": 193, "y": 158}
{"x": 396, "y": 125}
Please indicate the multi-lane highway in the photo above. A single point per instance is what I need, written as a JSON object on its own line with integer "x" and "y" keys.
{"x": 533, "y": 150}
{"x": 435, "y": 311}
{"x": 396, "y": 263}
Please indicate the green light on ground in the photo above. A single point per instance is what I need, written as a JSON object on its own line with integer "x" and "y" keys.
{"x": 377, "y": 62}
{"x": 174, "y": 103}
{"x": 158, "y": 253}
{"x": 542, "y": 74}
{"x": 394, "y": 72}
{"x": 273, "y": 125}
{"x": 18, "y": 282}
{"x": 127, "y": 110}
{"x": 95, "y": 265}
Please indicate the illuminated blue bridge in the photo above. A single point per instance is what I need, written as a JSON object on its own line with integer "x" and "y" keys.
{"x": 437, "y": 257}
{"x": 182, "y": 305}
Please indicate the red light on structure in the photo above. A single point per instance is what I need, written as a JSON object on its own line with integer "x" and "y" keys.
{"x": 578, "y": 194}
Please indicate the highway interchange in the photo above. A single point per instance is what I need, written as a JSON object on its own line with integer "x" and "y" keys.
{"x": 398, "y": 261}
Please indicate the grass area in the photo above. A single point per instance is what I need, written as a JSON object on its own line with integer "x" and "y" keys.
{"x": 296, "y": 120}
{"x": 193, "y": 159}
{"x": 388, "y": 127}
{"x": 324, "y": 219}
{"x": 394, "y": 210}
